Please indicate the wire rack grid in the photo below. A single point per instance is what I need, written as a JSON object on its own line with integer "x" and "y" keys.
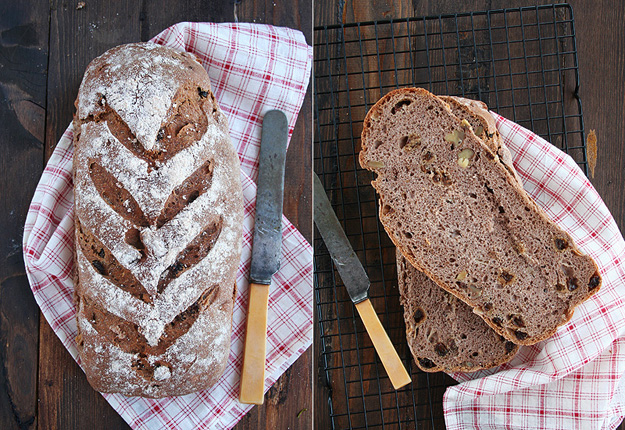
{"x": 523, "y": 64}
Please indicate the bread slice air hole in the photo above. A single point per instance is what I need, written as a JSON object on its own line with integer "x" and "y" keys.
{"x": 419, "y": 316}
{"x": 400, "y": 105}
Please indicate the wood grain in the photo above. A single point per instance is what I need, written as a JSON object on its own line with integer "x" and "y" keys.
{"x": 23, "y": 69}
{"x": 45, "y": 48}
{"x": 601, "y": 53}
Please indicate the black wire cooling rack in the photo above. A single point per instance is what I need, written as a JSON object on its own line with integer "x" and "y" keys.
{"x": 523, "y": 64}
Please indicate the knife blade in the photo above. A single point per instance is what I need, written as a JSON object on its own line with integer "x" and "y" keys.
{"x": 356, "y": 282}
{"x": 345, "y": 259}
{"x": 266, "y": 248}
{"x": 269, "y": 195}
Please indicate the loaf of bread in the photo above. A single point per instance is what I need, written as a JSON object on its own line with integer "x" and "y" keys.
{"x": 158, "y": 219}
{"x": 459, "y": 215}
{"x": 443, "y": 332}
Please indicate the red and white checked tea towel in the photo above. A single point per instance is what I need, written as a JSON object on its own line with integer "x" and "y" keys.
{"x": 253, "y": 68}
{"x": 573, "y": 380}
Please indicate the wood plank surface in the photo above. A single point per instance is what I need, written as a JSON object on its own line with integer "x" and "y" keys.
{"x": 601, "y": 56}
{"x": 23, "y": 69}
{"x": 45, "y": 49}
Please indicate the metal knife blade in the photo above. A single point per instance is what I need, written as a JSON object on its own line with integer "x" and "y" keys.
{"x": 269, "y": 195}
{"x": 347, "y": 263}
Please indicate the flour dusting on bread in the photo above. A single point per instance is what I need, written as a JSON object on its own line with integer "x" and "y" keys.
{"x": 158, "y": 223}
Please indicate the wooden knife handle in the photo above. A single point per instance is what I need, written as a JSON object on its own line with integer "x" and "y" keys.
{"x": 385, "y": 349}
{"x": 253, "y": 374}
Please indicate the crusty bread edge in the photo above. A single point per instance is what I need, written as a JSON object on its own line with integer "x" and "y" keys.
{"x": 480, "y": 110}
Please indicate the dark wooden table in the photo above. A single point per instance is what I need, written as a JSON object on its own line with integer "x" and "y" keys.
{"x": 45, "y": 47}
{"x": 601, "y": 55}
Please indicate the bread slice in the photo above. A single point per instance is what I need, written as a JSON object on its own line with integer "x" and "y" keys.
{"x": 443, "y": 332}
{"x": 457, "y": 214}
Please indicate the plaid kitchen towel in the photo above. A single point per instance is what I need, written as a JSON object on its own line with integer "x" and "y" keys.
{"x": 253, "y": 69}
{"x": 573, "y": 380}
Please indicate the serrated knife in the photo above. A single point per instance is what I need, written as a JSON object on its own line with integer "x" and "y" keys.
{"x": 266, "y": 248}
{"x": 357, "y": 283}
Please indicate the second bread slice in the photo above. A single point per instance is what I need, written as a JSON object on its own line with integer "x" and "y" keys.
{"x": 443, "y": 333}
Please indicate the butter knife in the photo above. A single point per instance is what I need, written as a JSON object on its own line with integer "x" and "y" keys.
{"x": 357, "y": 284}
{"x": 266, "y": 248}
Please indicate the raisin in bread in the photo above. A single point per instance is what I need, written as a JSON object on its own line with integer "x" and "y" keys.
{"x": 158, "y": 214}
{"x": 457, "y": 214}
{"x": 443, "y": 332}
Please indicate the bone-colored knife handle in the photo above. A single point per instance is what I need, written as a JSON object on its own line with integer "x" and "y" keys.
{"x": 385, "y": 349}
{"x": 253, "y": 374}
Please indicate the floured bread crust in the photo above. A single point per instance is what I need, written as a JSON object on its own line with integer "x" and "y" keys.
{"x": 159, "y": 213}
{"x": 459, "y": 215}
